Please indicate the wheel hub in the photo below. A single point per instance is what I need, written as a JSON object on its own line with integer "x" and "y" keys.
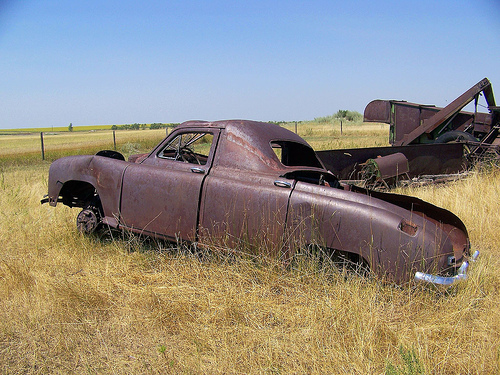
{"x": 87, "y": 221}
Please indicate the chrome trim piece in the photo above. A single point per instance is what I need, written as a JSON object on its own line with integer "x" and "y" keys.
{"x": 197, "y": 170}
{"x": 283, "y": 184}
{"x": 447, "y": 280}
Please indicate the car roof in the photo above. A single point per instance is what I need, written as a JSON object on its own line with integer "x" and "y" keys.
{"x": 257, "y": 129}
{"x": 247, "y": 144}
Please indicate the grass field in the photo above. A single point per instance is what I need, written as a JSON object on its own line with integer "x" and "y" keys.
{"x": 76, "y": 304}
{"x": 85, "y": 128}
{"x": 19, "y": 149}
{"x": 24, "y": 147}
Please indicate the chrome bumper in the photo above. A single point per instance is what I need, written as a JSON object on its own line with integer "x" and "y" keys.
{"x": 443, "y": 280}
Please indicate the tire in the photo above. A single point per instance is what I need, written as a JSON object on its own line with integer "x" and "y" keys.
{"x": 455, "y": 136}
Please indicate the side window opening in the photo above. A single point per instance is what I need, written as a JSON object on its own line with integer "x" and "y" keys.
{"x": 292, "y": 154}
{"x": 191, "y": 148}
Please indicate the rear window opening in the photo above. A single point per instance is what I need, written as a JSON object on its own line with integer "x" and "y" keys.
{"x": 292, "y": 154}
{"x": 315, "y": 177}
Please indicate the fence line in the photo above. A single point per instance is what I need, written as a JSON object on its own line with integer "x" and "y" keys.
{"x": 42, "y": 140}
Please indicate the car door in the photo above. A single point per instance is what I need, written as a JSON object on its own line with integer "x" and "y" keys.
{"x": 161, "y": 195}
{"x": 246, "y": 211}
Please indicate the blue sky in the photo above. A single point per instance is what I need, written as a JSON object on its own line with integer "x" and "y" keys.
{"x": 116, "y": 62}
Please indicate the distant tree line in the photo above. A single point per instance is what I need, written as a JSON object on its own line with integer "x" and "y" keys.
{"x": 342, "y": 114}
{"x": 136, "y": 126}
{"x": 281, "y": 123}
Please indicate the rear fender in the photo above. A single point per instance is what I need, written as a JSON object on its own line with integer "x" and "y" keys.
{"x": 396, "y": 235}
{"x": 453, "y": 229}
{"x": 416, "y": 205}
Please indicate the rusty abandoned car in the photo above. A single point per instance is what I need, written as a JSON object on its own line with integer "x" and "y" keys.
{"x": 257, "y": 184}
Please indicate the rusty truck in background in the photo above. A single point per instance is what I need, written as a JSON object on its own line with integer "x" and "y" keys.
{"x": 434, "y": 140}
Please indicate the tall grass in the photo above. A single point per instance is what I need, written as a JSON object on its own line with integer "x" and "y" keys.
{"x": 76, "y": 304}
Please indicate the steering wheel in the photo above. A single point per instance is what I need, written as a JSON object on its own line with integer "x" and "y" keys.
{"x": 187, "y": 155}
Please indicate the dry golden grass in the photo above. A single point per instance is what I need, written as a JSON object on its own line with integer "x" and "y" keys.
{"x": 76, "y": 304}
{"x": 354, "y": 135}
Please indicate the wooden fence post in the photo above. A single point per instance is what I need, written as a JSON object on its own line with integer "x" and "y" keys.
{"x": 295, "y": 127}
{"x": 340, "y": 127}
{"x": 43, "y": 150}
{"x": 114, "y": 140}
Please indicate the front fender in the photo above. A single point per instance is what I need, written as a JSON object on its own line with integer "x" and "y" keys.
{"x": 70, "y": 168}
{"x": 103, "y": 174}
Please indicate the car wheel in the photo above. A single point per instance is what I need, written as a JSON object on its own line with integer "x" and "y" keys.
{"x": 88, "y": 221}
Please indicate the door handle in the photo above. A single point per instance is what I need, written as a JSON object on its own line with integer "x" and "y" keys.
{"x": 197, "y": 170}
{"x": 282, "y": 184}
